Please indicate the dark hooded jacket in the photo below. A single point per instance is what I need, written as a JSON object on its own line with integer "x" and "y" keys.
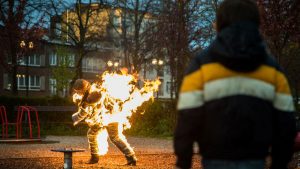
{"x": 235, "y": 102}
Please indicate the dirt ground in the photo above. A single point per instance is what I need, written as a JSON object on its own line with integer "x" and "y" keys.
{"x": 151, "y": 153}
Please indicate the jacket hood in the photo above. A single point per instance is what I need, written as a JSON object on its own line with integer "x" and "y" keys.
{"x": 239, "y": 47}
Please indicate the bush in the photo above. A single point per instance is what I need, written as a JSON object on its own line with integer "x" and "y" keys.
{"x": 158, "y": 119}
{"x": 151, "y": 119}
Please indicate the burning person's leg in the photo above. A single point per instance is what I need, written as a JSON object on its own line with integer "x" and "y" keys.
{"x": 92, "y": 138}
{"x": 117, "y": 137}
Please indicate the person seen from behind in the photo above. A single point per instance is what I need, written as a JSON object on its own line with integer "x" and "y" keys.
{"x": 235, "y": 101}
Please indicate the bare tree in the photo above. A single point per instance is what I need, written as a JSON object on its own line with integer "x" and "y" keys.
{"x": 183, "y": 28}
{"x": 280, "y": 25}
{"x": 281, "y": 28}
{"x": 19, "y": 21}
{"x": 83, "y": 25}
{"x": 135, "y": 17}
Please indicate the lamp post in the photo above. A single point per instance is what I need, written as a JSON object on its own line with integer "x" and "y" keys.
{"x": 157, "y": 63}
{"x": 27, "y": 47}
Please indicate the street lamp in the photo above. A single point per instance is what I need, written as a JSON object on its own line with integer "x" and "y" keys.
{"x": 116, "y": 64}
{"x": 28, "y": 47}
{"x": 157, "y": 63}
{"x": 110, "y": 63}
{"x": 22, "y": 44}
{"x": 113, "y": 64}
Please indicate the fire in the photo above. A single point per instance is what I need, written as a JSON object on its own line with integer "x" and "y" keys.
{"x": 119, "y": 99}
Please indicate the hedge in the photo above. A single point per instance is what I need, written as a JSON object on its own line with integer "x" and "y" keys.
{"x": 151, "y": 119}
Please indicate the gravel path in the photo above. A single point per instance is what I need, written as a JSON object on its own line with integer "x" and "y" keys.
{"x": 151, "y": 152}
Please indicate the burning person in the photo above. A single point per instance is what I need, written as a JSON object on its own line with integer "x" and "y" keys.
{"x": 106, "y": 106}
{"x": 83, "y": 87}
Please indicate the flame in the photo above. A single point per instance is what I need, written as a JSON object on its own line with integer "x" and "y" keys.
{"x": 120, "y": 98}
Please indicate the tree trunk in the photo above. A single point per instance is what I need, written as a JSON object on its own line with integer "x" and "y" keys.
{"x": 14, "y": 89}
{"x": 14, "y": 80}
{"x": 78, "y": 71}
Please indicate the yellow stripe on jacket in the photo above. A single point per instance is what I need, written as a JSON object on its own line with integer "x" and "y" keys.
{"x": 214, "y": 81}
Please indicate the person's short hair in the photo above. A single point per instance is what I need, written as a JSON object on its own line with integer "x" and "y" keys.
{"x": 232, "y": 11}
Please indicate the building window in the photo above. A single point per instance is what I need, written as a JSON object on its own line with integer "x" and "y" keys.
{"x": 116, "y": 21}
{"x": 53, "y": 59}
{"x": 57, "y": 29}
{"x": 68, "y": 60}
{"x": 22, "y": 61}
{"x": 71, "y": 60}
{"x": 93, "y": 65}
{"x": 6, "y": 81}
{"x": 34, "y": 60}
{"x": 168, "y": 70}
{"x": 52, "y": 86}
{"x": 168, "y": 87}
{"x": 161, "y": 88}
{"x": 21, "y": 80}
{"x": 160, "y": 71}
{"x": 34, "y": 82}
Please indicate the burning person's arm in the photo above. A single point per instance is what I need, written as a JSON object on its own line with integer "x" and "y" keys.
{"x": 86, "y": 106}
{"x": 85, "y": 99}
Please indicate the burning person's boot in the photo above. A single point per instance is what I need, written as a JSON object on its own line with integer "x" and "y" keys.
{"x": 94, "y": 159}
{"x": 131, "y": 160}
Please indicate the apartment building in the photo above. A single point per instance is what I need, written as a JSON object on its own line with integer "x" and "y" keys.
{"x": 41, "y": 63}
